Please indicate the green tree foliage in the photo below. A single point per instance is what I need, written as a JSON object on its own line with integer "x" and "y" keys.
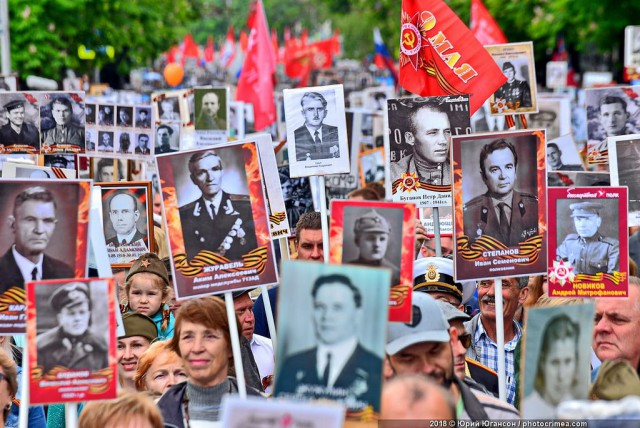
{"x": 45, "y": 34}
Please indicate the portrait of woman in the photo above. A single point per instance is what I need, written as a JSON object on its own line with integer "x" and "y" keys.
{"x": 557, "y": 369}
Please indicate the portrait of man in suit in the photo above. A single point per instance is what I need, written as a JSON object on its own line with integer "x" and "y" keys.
{"x": 128, "y": 243}
{"x": 217, "y": 221}
{"x": 315, "y": 139}
{"x": 32, "y": 223}
{"x": 339, "y": 365}
{"x": 503, "y": 212}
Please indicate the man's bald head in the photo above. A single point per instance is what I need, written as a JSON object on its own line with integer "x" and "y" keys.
{"x": 415, "y": 397}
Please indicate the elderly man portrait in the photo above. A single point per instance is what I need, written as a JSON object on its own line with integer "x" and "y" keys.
{"x": 587, "y": 250}
{"x": 210, "y": 116}
{"x": 72, "y": 344}
{"x": 217, "y": 221}
{"x": 32, "y": 223}
{"x": 372, "y": 233}
{"x": 315, "y": 139}
{"x": 128, "y": 242}
{"x": 338, "y": 360}
{"x": 65, "y": 131}
{"x": 516, "y": 93}
{"x": 503, "y": 212}
{"x": 429, "y": 135}
{"x": 17, "y": 130}
{"x": 482, "y": 327}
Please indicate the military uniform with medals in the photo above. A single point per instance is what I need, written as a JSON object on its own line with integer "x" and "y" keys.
{"x": 230, "y": 233}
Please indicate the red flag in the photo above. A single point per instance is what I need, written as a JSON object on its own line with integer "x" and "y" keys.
{"x": 228, "y": 49}
{"x": 297, "y": 62}
{"x": 209, "y": 50}
{"x": 484, "y": 27}
{"x": 440, "y": 56}
{"x": 256, "y": 83}
{"x": 171, "y": 54}
{"x": 189, "y": 48}
{"x": 322, "y": 54}
{"x": 244, "y": 41}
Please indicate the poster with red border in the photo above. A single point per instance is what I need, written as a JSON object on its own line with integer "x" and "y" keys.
{"x": 587, "y": 229}
{"x": 62, "y": 210}
{"x": 66, "y": 370}
{"x": 232, "y": 250}
{"x": 351, "y": 218}
{"x": 513, "y": 176}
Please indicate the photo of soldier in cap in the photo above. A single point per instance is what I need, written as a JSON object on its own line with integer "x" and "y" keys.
{"x": 507, "y": 210}
{"x": 217, "y": 220}
{"x": 60, "y": 161}
{"x": 367, "y": 238}
{"x": 554, "y": 160}
{"x": 590, "y": 249}
{"x": 516, "y": 93}
{"x": 20, "y": 128}
{"x": 72, "y": 330}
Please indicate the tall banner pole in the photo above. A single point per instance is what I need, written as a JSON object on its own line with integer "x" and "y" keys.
{"x": 436, "y": 231}
{"x": 502, "y": 389}
{"x": 323, "y": 218}
{"x": 235, "y": 345}
{"x": 5, "y": 44}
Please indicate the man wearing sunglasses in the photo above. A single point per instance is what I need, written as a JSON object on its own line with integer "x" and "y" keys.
{"x": 434, "y": 276}
{"x": 426, "y": 346}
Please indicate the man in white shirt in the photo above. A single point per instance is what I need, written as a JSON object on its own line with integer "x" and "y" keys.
{"x": 261, "y": 347}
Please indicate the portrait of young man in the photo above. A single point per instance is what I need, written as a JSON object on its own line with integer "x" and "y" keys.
{"x": 339, "y": 355}
{"x": 143, "y": 117}
{"x": 19, "y": 130}
{"x": 504, "y": 211}
{"x": 68, "y": 129}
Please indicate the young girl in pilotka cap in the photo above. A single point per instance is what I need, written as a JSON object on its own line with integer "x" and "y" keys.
{"x": 147, "y": 288}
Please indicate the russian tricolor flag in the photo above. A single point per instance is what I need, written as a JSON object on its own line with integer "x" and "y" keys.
{"x": 383, "y": 58}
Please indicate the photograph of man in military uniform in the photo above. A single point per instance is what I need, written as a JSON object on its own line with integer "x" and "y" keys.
{"x": 215, "y": 207}
{"x": 211, "y": 109}
{"x": 367, "y": 238}
{"x": 504, "y": 173}
{"x": 515, "y": 92}
{"x": 20, "y": 127}
{"x": 71, "y": 320}
{"x": 588, "y": 235}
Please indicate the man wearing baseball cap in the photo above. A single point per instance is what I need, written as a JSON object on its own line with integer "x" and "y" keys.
{"x": 425, "y": 347}
{"x": 371, "y": 234}
{"x": 72, "y": 344}
{"x": 588, "y": 251}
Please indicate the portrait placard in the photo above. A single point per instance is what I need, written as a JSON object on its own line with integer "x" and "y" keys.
{"x": 297, "y": 195}
{"x": 20, "y": 126}
{"x": 8, "y": 82}
{"x": 365, "y": 233}
{"x": 64, "y": 161}
{"x": 71, "y": 335}
{"x": 556, "y": 358}
{"x": 557, "y": 74}
{"x": 127, "y": 220}
{"x": 217, "y": 220}
{"x": 36, "y": 172}
{"x": 518, "y": 94}
{"x": 611, "y": 112}
{"x": 624, "y": 163}
{"x": 578, "y": 179}
{"x": 45, "y": 237}
{"x": 563, "y": 155}
{"x": 500, "y": 204}
{"x": 587, "y": 229}
{"x": 107, "y": 170}
{"x": 316, "y": 131}
{"x": 338, "y": 186}
{"x": 211, "y": 115}
{"x": 419, "y": 134}
{"x": 371, "y": 166}
{"x": 375, "y": 98}
{"x": 554, "y": 115}
{"x": 632, "y": 46}
{"x": 312, "y": 362}
{"x": 62, "y": 123}
{"x": 278, "y": 221}
{"x": 236, "y": 119}
{"x": 255, "y": 412}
